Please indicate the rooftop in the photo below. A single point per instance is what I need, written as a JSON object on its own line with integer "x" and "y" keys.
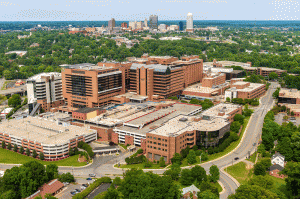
{"x": 250, "y": 88}
{"x": 87, "y": 66}
{"x": 198, "y": 88}
{"x": 41, "y": 130}
{"x": 289, "y": 93}
{"x": 38, "y": 76}
{"x": 156, "y": 67}
{"x": 221, "y": 108}
{"x": 176, "y": 126}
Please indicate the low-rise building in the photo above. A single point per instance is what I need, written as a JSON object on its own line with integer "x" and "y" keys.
{"x": 52, "y": 188}
{"x": 245, "y": 90}
{"x": 289, "y": 96}
{"x": 52, "y": 137}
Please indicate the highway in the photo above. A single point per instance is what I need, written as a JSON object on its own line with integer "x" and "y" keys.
{"x": 16, "y": 90}
{"x": 103, "y": 165}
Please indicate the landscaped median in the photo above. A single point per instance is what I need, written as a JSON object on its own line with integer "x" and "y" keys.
{"x": 11, "y": 157}
{"x": 91, "y": 188}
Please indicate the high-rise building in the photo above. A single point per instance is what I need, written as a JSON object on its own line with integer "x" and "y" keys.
{"x": 124, "y": 25}
{"x": 189, "y": 22}
{"x": 133, "y": 25}
{"x": 46, "y": 90}
{"x": 181, "y": 25}
{"x": 153, "y": 21}
{"x": 146, "y": 22}
{"x": 89, "y": 85}
{"x": 111, "y": 23}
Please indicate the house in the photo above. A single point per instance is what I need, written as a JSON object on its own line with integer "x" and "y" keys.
{"x": 188, "y": 190}
{"x": 275, "y": 169}
{"x": 278, "y": 159}
{"x": 52, "y": 188}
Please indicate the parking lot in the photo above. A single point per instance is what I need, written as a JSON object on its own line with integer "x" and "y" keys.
{"x": 279, "y": 119}
{"x": 66, "y": 192}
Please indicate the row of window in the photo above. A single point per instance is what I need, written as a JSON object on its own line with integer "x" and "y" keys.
{"x": 157, "y": 138}
{"x": 157, "y": 143}
{"x": 157, "y": 148}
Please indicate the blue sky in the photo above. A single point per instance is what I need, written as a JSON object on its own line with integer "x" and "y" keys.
{"x": 62, "y": 10}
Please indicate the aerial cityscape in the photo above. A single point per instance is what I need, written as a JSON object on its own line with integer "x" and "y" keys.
{"x": 172, "y": 99}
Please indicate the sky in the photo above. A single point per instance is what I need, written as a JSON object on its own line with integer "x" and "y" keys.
{"x": 130, "y": 10}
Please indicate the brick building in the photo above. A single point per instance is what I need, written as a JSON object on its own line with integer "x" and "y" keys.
{"x": 88, "y": 85}
{"x": 213, "y": 79}
{"x": 289, "y": 96}
{"x": 245, "y": 90}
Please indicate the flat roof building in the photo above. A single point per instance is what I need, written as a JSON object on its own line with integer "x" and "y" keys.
{"x": 289, "y": 96}
{"x": 245, "y": 90}
{"x": 46, "y": 90}
{"x": 51, "y": 137}
{"x": 89, "y": 85}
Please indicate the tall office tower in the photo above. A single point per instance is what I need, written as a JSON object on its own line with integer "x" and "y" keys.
{"x": 111, "y": 23}
{"x": 133, "y": 25}
{"x": 139, "y": 25}
{"x": 180, "y": 25}
{"x": 146, "y": 23}
{"x": 124, "y": 25}
{"x": 89, "y": 85}
{"x": 45, "y": 89}
{"x": 189, "y": 22}
{"x": 153, "y": 21}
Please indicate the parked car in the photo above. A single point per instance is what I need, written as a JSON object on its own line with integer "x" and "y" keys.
{"x": 92, "y": 175}
{"x": 236, "y": 158}
{"x": 89, "y": 179}
{"x": 82, "y": 188}
{"x": 84, "y": 185}
{"x": 78, "y": 190}
{"x": 73, "y": 192}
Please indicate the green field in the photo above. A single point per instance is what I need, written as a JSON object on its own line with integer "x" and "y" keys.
{"x": 242, "y": 174}
{"x": 10, "y": 157}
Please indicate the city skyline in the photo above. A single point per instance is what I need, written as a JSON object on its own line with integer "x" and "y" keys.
{"x": 55, "y": 10}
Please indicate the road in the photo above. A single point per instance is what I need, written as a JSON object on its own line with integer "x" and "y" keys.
{"x": 19, "y": 89}
{"x": 103, "y": 165}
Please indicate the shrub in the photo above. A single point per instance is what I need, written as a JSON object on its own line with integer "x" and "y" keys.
{"x": 21, "y": 150}
{"x": 41, "y": 156}
{"x": 66, "y": 177}
{"x": 162, "y": 162}
{"x": 34, "y": 154}
{"x": 87, "y": 148}
{"x": 148, "y": 164}
{"x": 15, "y": 148}
{"x": 9, "y": 146}
{"x": 27, "y": 152}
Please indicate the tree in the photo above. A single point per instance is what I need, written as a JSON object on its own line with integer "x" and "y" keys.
{"x": 261, "y": 181}
{"x": 284, "y": 147}
{"x": 112, "y": 193}
{"x": 14, "y": 101}
{"x": 71, "y": 152}
{"x": 162, "y": 162}
{"x": 9, "y": 146}
{"x": 214, "y": 173}
{"x": 191, "y": 158}
{"x": 49, "y": 196}
{"x": 198, "y": 173}
{"x": 21, "y": 150}
{"x": 273, "y": 76}
{"x": 41, "y": 156}
{"x": 27, "y": 152}
{"x": 235, "y": 126}
{"x": 15, "y": 148}
{"x": 34, "y": 153}
{"x": 259, "y": 169}
{"x": 227, "y": 99}
{"x": 176, "y": 159}
{"x": 207, "y": 195}
{"x": 240, "y": 118}
{"x": 206, "y": 185}
{"x": 66, "y": 177}
{"x": 186, "y": 177}
{"x": 253, "y": 191}
{"x": 52, "y": 171}
{"x": 3, "y": 145}
{"x": 117, "y": 181}
{"x": 292, "y": 170}
{"x": 173, "y": 172}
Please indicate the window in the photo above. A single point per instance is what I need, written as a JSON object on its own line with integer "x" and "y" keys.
{"x": 159, "y": 138}
{"x": 154, "y": 138}
{"x": 165, "y": 149}
{"x": 165, "y": 145}
{"x": 154, "y": 142}
{"x": 163, "y": 139}
{"x": 154, "y": 147}
{"x": 159, "y": 143}
{"x": 150, "y": 142}
{"x": 159, "y": 148}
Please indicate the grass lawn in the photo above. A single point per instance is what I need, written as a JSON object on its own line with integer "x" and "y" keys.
{"x": 232, "y": 146}
{"x": 124, "y": 146}
{"x": 240, "y": 172}
{"x": 10, "y": 157}
{"x": 253, "y": 157}
{"x": 138, "y": 166}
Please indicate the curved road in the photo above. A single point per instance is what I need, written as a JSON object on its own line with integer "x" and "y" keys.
{"x": 104, "y": 165}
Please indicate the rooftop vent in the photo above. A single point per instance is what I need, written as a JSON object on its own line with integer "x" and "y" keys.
{"x": 183, "y": 119}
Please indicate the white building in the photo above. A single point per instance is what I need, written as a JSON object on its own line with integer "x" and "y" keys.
{"x": 189, "y": 21}
{"x": 45, "y": 89}
{"x": 278, "y": 159}
{"x": 162, "y": 27}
